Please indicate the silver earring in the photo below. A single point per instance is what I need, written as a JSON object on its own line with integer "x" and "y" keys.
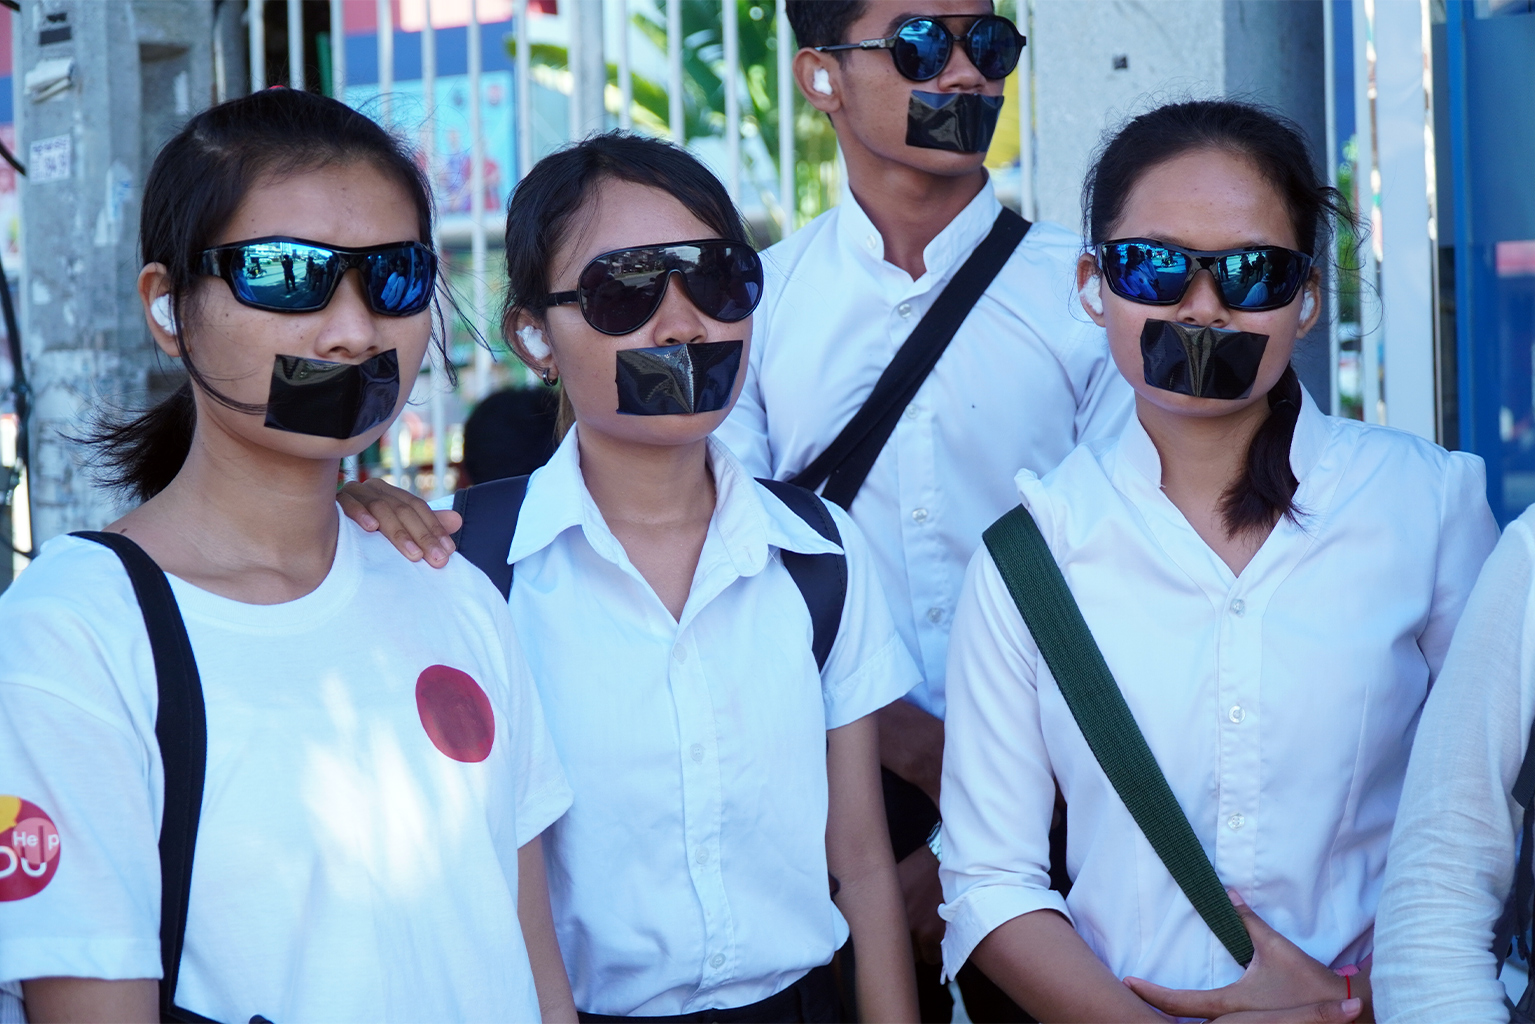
{"x": 549, "y": 381}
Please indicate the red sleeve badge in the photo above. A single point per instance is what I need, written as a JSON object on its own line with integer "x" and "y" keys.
{"x": 29, "y": 848}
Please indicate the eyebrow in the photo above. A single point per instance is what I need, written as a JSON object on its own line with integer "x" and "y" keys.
{"x": 1169, "y": 238}
{"x": 894, "y": 23}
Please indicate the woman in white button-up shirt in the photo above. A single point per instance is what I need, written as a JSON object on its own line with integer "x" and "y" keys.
{"x": 672, "y": 649}
{"x": 1274, "y": 591}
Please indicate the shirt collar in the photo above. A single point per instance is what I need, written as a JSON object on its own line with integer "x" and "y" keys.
{"x": 748, "y": 519}
{"x": 958, "y": 240}
{"x": 1307, "y": 443}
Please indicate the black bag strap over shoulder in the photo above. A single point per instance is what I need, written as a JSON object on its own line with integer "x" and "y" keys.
{"x": 485, "y": 537}
{"x": 182, "y": 732}
{"x": 1512, "y": 931}
{"x": 823, "y": 578}
{"x": 1035, "y": 582}
{"x": 491, "y": 510}
{"x": 847, "y": 461}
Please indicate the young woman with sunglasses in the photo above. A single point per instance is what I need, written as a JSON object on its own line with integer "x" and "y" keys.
{"x": 377, "y": 770}
{"x": 726, "y": 834}
{"x": 1273, "y": 590}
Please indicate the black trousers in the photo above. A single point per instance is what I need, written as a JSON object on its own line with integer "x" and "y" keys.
{"x": 811, "y": 1000}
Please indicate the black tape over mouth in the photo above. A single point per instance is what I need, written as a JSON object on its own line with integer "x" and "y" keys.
{"x": 962, "y": 122}
{"x": 1202, "y": 362}
{"x": 335, "y": 400}
{"x": 678, "y": 380}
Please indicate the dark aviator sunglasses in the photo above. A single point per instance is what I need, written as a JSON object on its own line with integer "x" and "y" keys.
{"x": 1154, "y": 273}
{"x": 294, "y": 275}
{"x": 620, "y": 291}
{"x": 920, "y": 47}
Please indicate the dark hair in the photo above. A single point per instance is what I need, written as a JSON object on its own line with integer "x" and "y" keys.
{"x": 544, "y": 204}
{"x": 510, "y": 433}
{"x": 822, "y": 22}
{"x": 1278, "y": 150}
{"x": 197, "y": 183}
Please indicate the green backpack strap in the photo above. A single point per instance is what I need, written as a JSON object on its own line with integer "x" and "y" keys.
{"x": 1034, "y": 580}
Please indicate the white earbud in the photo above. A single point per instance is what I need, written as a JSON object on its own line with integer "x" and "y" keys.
{"x": 1308, "y": 304}
{"x": 822, "y": 82}
{"x": 533, "y": 340}
{"x": 160, "y": 309}
{"x": 1092, "y": 293}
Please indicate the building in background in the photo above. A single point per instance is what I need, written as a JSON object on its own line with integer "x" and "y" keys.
{"x": 1421, "y": 111}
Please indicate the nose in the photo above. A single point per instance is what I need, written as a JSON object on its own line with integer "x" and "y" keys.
{"x": 677, "y": 320}
{"x": 960, "y": 75}
{"x": 349, "y": 331}
{"x": 1202, "y": 303}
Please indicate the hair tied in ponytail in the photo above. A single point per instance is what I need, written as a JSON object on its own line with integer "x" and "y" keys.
{"x": 1266, "y": 491}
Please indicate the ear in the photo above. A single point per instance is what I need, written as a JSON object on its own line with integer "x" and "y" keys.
{"x": 1090, "y": 288}
{"x": 1311, "y": 304}
{"x": 525, "y": 334}
{"x": 807, "y": 63}
{"x": 155, "y": 293}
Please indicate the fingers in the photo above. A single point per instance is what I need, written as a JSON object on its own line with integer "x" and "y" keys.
{"x": 1257, "y": 927}
{"x": 1329, "y": 1012}
{"x": 407, "y": 521}
{"x": 450, "y": 521}
{"x": 1180, "y": 1002}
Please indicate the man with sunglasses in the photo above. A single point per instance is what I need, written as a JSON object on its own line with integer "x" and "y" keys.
{"x": 912, "y": 88}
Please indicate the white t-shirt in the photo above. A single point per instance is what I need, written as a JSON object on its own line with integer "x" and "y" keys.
{"x": 691, "y": 871}
{"x": 1280, "y": 702}
{"x": 349, "y": 865}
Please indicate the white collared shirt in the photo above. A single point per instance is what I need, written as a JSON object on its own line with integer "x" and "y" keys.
{"x": 1279, "y": 703}
{"x": 1024, "y": 380}
{"x": 691, "y": 870}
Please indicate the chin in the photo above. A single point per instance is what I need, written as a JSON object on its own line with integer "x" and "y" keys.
{"x": 1195, "y": 408}
{"x": 320, "y": 449}
{"x": 942, "y": 162}
{"x": 661, "y": 431}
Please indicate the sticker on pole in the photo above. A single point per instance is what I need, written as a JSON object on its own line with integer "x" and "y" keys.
{"x": 29, "y": 849}
{"x": 49, "y": 160}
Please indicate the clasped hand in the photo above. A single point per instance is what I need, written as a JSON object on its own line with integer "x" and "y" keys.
{"x": 1281, "y": 984}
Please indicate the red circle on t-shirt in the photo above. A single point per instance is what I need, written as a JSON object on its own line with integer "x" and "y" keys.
{"x": 456, "y": 713}
{"x": 29, "y": 849}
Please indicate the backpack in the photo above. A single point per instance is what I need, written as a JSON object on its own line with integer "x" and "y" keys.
{"x": 490, "y": 512}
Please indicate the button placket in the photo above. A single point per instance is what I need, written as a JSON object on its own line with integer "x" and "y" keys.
{"x": 1239, "y": 659}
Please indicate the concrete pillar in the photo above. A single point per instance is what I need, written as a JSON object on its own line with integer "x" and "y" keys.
{"x": 1098, "y": 64}
{"x": 135, "y": 71}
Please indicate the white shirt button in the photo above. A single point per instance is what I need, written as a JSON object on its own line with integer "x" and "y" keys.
{"x": 703, "y": 855}
{"x": 1236, "y": 822}
{"x": 1238, "y": 607}
{"x": 905, "y": 309}
{"x": 718, "y": 960}
{"x": 919, "y": 515}
{"x": 935, "y": 614}
{"x": 696, "y": 751}
{"x": 679, "y": 654}
{"x": 871, "y": 242}
{"x": 1237, "y": 714}
{"x": 910, "y": 412}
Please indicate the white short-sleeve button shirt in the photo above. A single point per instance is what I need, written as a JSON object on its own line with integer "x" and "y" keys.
{"x": 1026, "y": 378}
{"x": 1280, "y": 703}
{"x": 691, "y": 870}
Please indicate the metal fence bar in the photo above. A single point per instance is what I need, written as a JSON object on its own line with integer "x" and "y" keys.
{"x": 729, "y": 30}
{"x": 436, "y": 381}
{"x": 1367, "y": 183}
{"x": 258, "y": 34}
{"x": 1025, "y": 75}
{"x": 481, "y": 382}
{"x": 626, "y": 76}
{"x": 338, "y": 51}
{"x": 296, "y": 44}
{"x": 576, "y": 43}
{"x": 675, "y": 70}
{"x": 386, "y": 39}
{"x": 1331, "y": 140}
{"x": 785, "y": 56}
{"x": 524, "y": 81}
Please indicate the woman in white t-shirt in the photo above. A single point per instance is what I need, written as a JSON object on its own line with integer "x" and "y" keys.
{"x": 378, "y": 771}
{"x": 1273, "y": 589}
{"x": 720, "y": 774}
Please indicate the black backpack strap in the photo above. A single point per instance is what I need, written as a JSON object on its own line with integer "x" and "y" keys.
{"x": 182, "y": 732}
{"x": 822, "y": 579}
{"x": 847, "y": 461}
{"x": 1049, "y": 610}
{"x": 1512, "y": 931}
{"x": 490, "y": 512}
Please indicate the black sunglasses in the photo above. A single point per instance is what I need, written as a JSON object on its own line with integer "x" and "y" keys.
{"x": 921, "y": 47}
{"x": 1157, "y": 274}
{"x": 620, "y": 290}
{"x": 292, "y": 275}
